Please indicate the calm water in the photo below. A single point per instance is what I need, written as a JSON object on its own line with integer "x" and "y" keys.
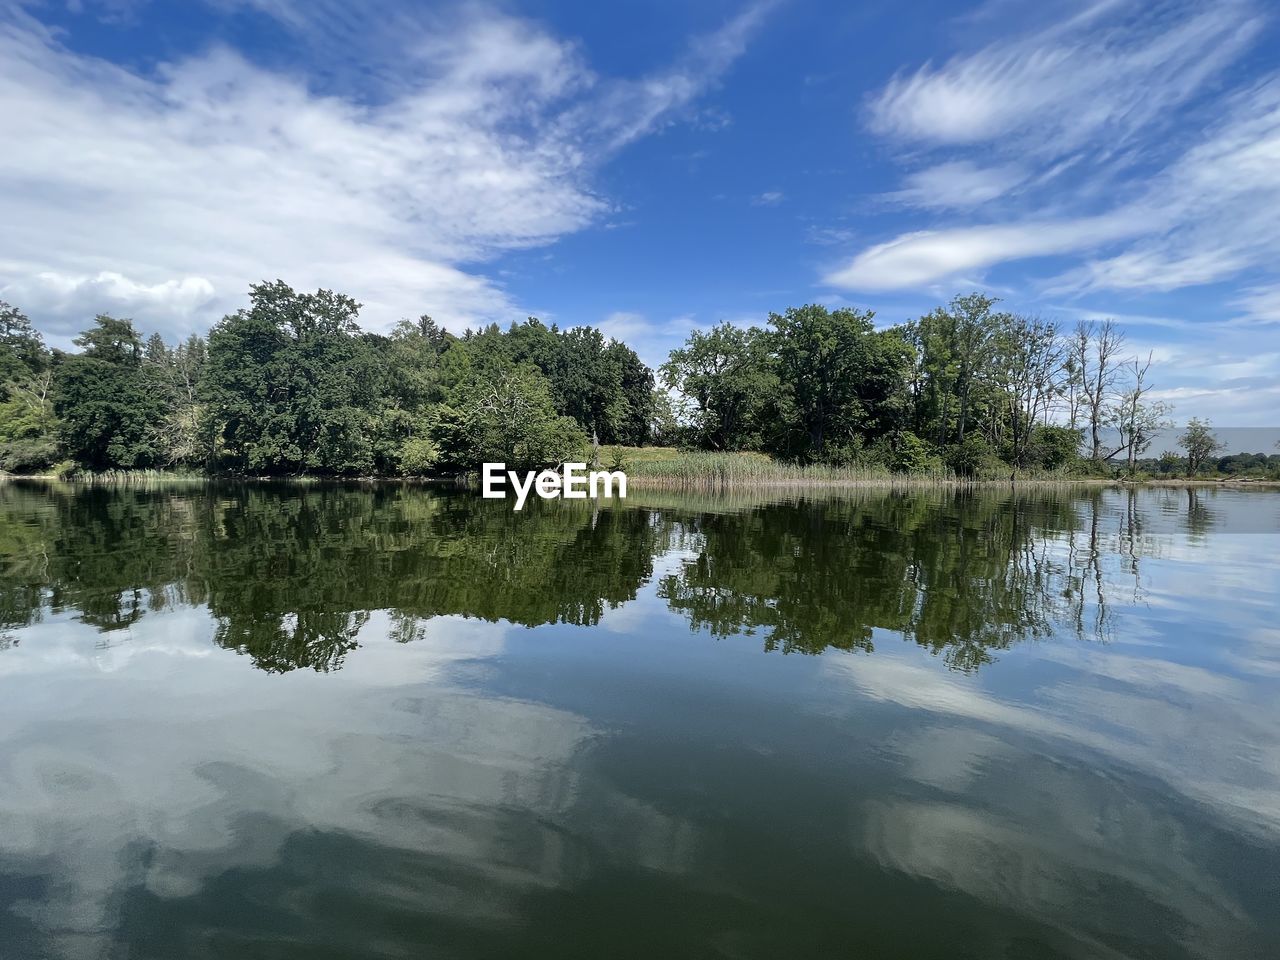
{"x": 270, "y": 722}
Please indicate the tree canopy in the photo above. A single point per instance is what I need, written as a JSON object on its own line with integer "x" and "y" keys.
{"x": 291, "y": 384}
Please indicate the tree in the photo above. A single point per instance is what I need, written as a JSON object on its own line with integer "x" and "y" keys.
{"x": 975, "y": 334}
{"x": 635, "y": 388}
{"x": 290, "y": 384}
{"x": 1053, "y": 446}
{"x": 726, "y": 374}
{"x": 1094, "y": 353}
{"x": 1200, "y": 444}
{"x": 842, "y": 381}
{"x": 107, "y": 404}
{"x": 505, "y": 416}
{"x": 1137, "y": 420}
{"x": 953, "y": 349}
{"x": 1031, "y": 370}
{"x": 664, "y": 422}
{"x": 28, "y": 427}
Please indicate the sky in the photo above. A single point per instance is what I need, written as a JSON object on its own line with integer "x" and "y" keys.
{"x": 653, "y": 168}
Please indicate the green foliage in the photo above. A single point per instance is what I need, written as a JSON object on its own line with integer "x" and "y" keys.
{"x": 505, "y": 414}
{"x": 1053, "y": 447}
{"x": 105, "y": 400}
{"x": 28, "y": 426}
{"x": 290, "y": 385}
{"x": 841, "y": 380}
{"x": 972, "y": 458}
{"x": 664, "y": 421}
{"x": 726, "y": 374}
{"x": 913, "y": 455}
{"x": 418, "y": 456}
{"x": 1200, "y": 445}
{"x": 601, "y": 384}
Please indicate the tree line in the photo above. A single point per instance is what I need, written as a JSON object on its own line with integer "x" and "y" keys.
{"x": 966, "y": 386}
{"x": 291, "y": 385}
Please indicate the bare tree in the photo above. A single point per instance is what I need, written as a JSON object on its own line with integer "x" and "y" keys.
{"x": 1094, "y": 351}
{"x": 1137, "y": 419}
{"x": 1033, "y": 369}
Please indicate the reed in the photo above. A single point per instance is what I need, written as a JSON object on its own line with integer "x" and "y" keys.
{"x": 646, "y": 467}
{"x": 669, "y": 468}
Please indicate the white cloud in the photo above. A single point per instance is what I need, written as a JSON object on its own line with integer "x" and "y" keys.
{"x": 1260, "y": 304}
{"x": 1102, "y": 70}
{"x": 1106, "y": 149}
{"x": 770, "y": 198}
{"x": 958, "y": 184}
{"x": 1213, "y": 211}
{"x": 652, "y": 340}
{"x": 922, "y": 257}
{"x": 164, "y": 195}
{"x": 623, "y": 325}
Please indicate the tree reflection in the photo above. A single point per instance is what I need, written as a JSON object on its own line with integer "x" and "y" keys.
{"x": 959, "y": 572}
{"x": 291, "y": 574}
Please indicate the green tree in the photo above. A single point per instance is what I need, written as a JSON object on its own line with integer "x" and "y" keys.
{"x": 505, "y": 415}
{"x": 726, "y": 374}
{"x": 1200, "y": 445}
{"x": 410, "y": 390}
{"x": 952, "y": 375}
{"x": 1053, "y": 446}
{"x": 635, "y": 388}
{"x": 1030, "y": 372}
{"x": 106, "y": 402}
{"x": 28, "y": 427}
{"x": 290, "y": 384}
{"x": 842, "y": 381}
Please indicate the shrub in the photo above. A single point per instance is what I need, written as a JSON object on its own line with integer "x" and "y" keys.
{"x": 913, "y": 455}
{"x": 1054, "y": 447}
{"x": 418, "y": 455}
{"x": 973, "y": 458}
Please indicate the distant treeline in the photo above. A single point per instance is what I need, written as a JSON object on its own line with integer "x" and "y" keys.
{"x": 291, "y": 385}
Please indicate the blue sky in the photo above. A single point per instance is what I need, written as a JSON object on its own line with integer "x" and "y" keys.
{"x": 655, "y": 167}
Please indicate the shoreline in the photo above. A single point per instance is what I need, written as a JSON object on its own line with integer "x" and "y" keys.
{"x": 660, "y": 482}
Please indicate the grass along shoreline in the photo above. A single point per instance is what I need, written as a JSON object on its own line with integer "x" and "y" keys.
{"x": 668, "y": 468}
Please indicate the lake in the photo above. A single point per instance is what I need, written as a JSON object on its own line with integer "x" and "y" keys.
{"x": 314, "y": 721}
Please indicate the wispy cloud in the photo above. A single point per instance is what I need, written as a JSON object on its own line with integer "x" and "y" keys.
{"x": 914, "y": 259}
{"x": 1100, "y": 121}
{"x": 165, "y": 193}
{"x": 1108, "y": 70}
{"x": 958, "y": 184}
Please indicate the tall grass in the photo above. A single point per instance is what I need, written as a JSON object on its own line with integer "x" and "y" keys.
{"x": 666, "y": 467}
{"x": 702, "y": 469}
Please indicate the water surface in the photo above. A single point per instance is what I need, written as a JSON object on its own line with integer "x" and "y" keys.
{"x": 309, "y": 722}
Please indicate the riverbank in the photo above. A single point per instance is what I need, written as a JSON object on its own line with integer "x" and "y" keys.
{"x": 669, "y": 468}
{"x": 666, "y": 467}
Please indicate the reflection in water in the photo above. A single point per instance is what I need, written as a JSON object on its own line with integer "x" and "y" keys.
{"x": 291, "y": 573}
{"x": 609, "y": 784}
{"x": 958, "y": 573}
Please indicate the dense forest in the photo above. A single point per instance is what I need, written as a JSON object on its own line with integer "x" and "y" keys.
{"x": 290, "y": 385}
